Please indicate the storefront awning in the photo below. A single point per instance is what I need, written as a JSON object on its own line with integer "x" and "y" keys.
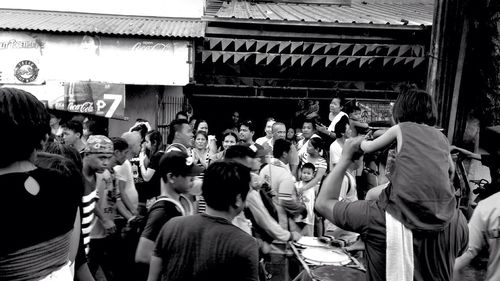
{"x": 289, "y": 53}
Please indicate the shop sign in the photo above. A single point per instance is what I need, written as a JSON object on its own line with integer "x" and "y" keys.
{"x": 145, "y": 61}
{"x": 101, "y": 99}
{"x": 20, "y": 56}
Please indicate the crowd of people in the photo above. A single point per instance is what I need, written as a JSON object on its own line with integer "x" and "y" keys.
{"x": 192, "y": 207}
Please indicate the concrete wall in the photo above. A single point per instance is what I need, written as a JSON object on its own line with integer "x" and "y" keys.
{"x": 143, "y": 102}
{"x": 159, "y": 8}
{"x": 140, "y": 102}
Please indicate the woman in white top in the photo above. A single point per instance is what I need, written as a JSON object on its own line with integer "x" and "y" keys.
{"x": 342, "y": 131}
{"x": 308, "y": 132}
{"x": 336, "y": 113}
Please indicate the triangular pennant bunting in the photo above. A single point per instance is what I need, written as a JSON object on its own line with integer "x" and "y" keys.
{"x": 398, "y": 60}
{"x": 391, "y": 50}
{"x": 350, "y": 60}
{"x": 341, "y": 59}
{"x": 283, "y": 46}
{"x": 238, "y": 57}
{"x": 403, "y": 50}
{"x": 417, "y": 62}
{"x": 386, "y": 61}
{"x": 362, "y": 61}
{"x": 225, "y": 44}
{"x": 335, "y": 49}
{"x": 306, "y": 46}
{"x": 249, "y": 44}
{"x": 261, "y": 45}
{"x": 284, "y": 58}
{"x": 259, "y": 58}
{"x": 317, "y": 47}
{"x": 214, "y": 42}
{"x": 304, "y": 59}
{"x": 270, "y": 58}
{"x": 317, "y": 59}
{"x": 271, "y": 45}
{"x": 329, "y": 60}
{"x": 357, "y": 48}
{"x": 343, "y": 47}
{"x": 371, "y": 49}
{"x": 226, "y": 57}
{"x": 205, "y": 55}
{"x": 238, "y": 44}
{"x": 216, "y": 56}
{"x": 409, "y": 60}
{"x": 295, "y": 58}
{"x": 328, "y": 47}
{"x": 295, "y": 45}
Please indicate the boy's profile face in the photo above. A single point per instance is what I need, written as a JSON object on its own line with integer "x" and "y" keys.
{"x": 307, "y": 174}
{"x": 355, "y": 115}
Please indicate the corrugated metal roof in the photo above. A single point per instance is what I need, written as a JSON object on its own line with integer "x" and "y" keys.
{"x": 414, "y": 13}
{"x": 104, "y": 24}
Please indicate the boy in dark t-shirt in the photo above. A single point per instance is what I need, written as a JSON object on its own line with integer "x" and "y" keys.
{"x": 208, "y": 246}
{"x": 176, "y": 179}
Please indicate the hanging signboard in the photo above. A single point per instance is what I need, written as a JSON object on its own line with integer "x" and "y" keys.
{"x": 20, "y": 56}
{"x": 101, "y": 99}
{"x": 25, "y": 56}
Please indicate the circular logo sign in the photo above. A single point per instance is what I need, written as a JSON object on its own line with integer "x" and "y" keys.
{"x": 26, "y": 71}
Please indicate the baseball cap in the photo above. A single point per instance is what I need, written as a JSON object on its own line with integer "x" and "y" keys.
{"x": 179, "y": 163}
{"x": 99, "y": 144}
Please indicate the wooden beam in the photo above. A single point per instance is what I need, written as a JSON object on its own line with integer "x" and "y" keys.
{"x": 458, "y": 82}
{"x": 321, "y": 37}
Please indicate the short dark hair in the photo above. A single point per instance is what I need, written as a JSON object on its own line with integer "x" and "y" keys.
{"x": 197, "y": 123}
{"x": 249, "y": 124}
{"x": 312, "y": 121}
{"x": 230, "y": 133}
{"x": 281, "y": 146}
{"x": 22, "y": 115}
{"x": 308, "y": 165}
{"x": 317, "y": 143}
{"x": 413, "y": 105}
{"x": 66, "y": 151}
{"x": 175, "y": 126}
{"x": 239, "y": 151}
{"x": 351, "y": 106}
{"x": 74, "y": 125}
{"x": 223, "y": 182}
{"x": 119, "y": 144}
{"x": 340, "y": 126}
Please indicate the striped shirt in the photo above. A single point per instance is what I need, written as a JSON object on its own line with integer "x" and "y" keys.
{"x": 88, "y": 206}
{"x": 319, "y": 163}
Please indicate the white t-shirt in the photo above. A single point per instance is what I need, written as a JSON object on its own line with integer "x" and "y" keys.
{"x": 335, "y": 153}
{"x": 484, "y": 230}
{"x": 263, "y": 140}
{"x": 124, "y": 173}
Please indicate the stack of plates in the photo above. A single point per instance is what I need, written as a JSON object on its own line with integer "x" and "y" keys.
{"x": 325, "y": 256}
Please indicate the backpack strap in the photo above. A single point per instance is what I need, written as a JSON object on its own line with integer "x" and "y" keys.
{"x": 164, "y": 198}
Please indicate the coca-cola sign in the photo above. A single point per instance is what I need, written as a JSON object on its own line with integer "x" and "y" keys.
{"x": 86, "y": 107}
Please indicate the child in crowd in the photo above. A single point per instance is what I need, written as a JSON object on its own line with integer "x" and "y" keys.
{"x": 420, "y": 194}
{"x": 307, "y": 173}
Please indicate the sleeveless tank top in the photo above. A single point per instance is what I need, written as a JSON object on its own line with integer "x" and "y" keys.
{"x": 421, "y": 195}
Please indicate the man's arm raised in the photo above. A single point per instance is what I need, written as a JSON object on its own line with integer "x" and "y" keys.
{"x": 330, "y": 189}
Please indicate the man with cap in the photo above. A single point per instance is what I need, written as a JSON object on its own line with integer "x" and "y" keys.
{"x": 177, "y": 171}
{"x": 96, "y": 156}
